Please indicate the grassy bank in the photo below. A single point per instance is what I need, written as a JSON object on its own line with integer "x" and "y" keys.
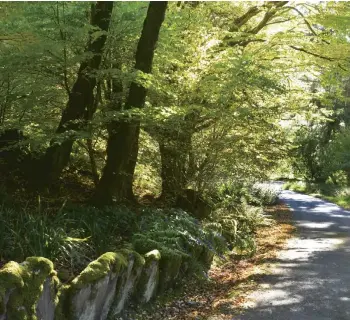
{"x": 337, "y": 194}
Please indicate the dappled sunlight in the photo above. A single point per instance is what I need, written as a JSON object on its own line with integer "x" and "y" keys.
{"x": 311, "y": 277}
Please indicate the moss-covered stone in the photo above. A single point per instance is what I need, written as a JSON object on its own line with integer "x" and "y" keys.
{"x": 149, "y": 279}
{"x": 170, "y": 265}
{"x": 62, "y": 311}
{"x": 108, "y": 262}
{"x": 138, "y": 259}
{"x": 27, "y": 282}
{"x": 171, "y": 258}
{"x": 153, "y": 255}
{"x": 128, "y": 281}
{"x": 91, "y": 294}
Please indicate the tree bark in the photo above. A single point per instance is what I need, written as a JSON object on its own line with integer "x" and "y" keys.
{"x": 81, "y": 98}
{"x": 122, "y": 146}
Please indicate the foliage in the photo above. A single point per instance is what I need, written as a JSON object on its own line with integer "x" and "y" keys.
{"x": 235, "y": 89}
{"x": 238, "y": 225}
{"x": 334, "y": 193}
{"x": 264, "y": 194}
{"x": 70, "y": 238}
{"x": 175, "y": 233}
{"x": 258, "y": 194}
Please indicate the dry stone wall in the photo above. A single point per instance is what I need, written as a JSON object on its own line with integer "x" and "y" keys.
{"x": 32, "y": 290}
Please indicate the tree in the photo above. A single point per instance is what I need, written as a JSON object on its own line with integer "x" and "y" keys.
{"x": 80, "y": 104}
{"x": 117, "y": 176}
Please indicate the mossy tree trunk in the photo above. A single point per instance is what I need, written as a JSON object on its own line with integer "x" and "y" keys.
{"x": 123, "y": 135}
{"x": 81, "y": 98}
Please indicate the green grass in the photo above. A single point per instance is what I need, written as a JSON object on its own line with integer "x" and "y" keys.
{"x": 339, "y": 195}
{"x": 73, "y": 236}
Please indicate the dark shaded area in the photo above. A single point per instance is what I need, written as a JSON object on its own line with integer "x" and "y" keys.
{"x": 192, "y": 201}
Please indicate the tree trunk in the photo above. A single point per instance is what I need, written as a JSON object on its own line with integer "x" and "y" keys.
{"x": 122, "y": 146}
{"x": 174, "y": 161}
{"x": 81, "y": 98}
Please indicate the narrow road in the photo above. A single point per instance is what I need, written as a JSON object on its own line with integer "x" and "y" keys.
{"x": 311, "y": 279}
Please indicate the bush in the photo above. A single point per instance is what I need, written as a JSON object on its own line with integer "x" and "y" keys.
{"x": 258, "y": 194}
{"x": 25, "y": 234}
{"x": 327, "y": 189}
{"x": 263, "y": 194}
{"x": 174, "y": 232}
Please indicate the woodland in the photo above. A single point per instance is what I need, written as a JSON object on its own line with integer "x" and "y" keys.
{"x": 140, "y": 124}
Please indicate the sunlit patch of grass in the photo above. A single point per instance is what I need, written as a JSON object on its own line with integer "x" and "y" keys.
{"x": 340, "y": 200}
{"x": 330, "y": 192}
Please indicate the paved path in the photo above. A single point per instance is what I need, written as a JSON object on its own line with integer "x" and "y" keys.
{"x": 312, "y": 278}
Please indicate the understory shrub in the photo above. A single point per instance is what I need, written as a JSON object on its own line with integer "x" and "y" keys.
{"x": 76, "y": 235}
{"x": 328, "y": 189}
{"x": 257, "y": 194}
{"x": 335, "y": 193}
{"x": 239, "y": 212}
{"x": 175, "y": 233}
{"x": 263, "y": 194}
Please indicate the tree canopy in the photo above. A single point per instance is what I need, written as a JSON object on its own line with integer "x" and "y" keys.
{"x": 129, "y": 98}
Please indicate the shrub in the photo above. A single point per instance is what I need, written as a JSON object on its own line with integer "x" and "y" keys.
{"x": 71, "y": 238}
{"x": 25, "y": 234}
{"x": 263, "y": 194}
{"x": 258, "y": 194}
{"x": 174, "y": 232}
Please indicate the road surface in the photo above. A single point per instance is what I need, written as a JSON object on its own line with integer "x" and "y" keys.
{"x": 311, "y": 280}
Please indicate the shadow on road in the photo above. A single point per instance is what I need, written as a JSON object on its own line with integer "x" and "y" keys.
{"x": 312, "y": 277}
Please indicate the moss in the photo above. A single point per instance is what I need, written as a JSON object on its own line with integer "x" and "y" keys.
{"x": 95, "y": 271}
{"x": 139, "y": 260}
{"x": 152, "y": 255}
{"x": 63, "y": 303}
{"x": 27, "y": 280}
{"x": 150, "y": 258}
{"x": 170, "y": 265}
{"x": 10, "y": 278}
{"x": 144, "y": 245}
{"x": 108, "y": 262}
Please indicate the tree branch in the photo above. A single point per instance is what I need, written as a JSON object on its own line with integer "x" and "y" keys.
{"x": 253, "y": 11}
{"x": 268, "y": 16}
{"x": 307, "y": 23}
{"x": 312, "y": 53}
{"x": 239, "y": 22}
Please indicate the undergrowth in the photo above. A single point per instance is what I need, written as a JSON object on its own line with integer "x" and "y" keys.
{"x": 73, "y": 236}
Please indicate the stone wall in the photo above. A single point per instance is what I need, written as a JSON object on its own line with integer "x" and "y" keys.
{"x": 32, "y": 290}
